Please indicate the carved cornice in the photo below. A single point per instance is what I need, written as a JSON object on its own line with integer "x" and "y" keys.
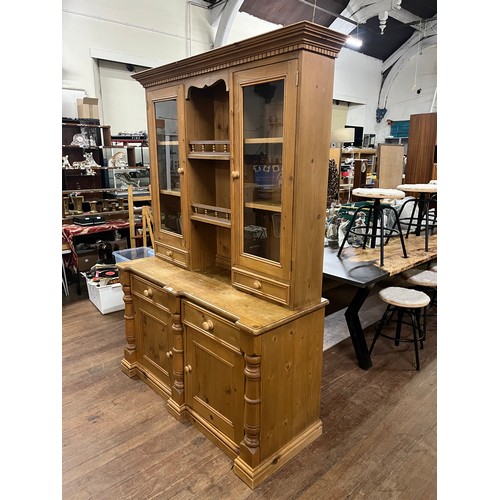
{"x": 299, "y": 36}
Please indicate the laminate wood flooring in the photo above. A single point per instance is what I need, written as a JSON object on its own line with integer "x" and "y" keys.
{"x": 119, "y": 442}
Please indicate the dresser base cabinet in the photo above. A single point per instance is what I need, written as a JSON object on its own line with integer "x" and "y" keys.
{"x": 250, "y": 384}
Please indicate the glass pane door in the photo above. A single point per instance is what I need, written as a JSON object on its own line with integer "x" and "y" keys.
{"x": 263, "y": 105}
{"x": 167, "y": 146}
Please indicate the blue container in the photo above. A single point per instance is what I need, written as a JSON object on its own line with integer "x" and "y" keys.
{"x": 133, "y": 253}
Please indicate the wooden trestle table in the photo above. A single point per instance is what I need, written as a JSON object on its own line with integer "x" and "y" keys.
{"x": 359, "y": 268}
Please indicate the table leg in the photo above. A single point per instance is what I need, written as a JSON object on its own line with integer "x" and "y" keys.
{"x": 355, "y": 329}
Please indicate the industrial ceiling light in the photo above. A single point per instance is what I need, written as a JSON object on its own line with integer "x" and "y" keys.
{"x": 354, "y": 42}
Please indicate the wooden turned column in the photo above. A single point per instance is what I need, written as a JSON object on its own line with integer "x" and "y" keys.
{"x": 177, "y": 359}
{"x": 130, "y": 355}
{"x": 250, "y": 446}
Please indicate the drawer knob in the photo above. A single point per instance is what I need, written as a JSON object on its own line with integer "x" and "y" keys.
{"x": 169, "y": 354}
{"x": 148, "y": 292}
{"x": 169, "y": 253}
{"x": 235, "y": 174}
{"x": 257, "y": 284}
{"x": 180, "y": 170}
{"x": 207, "y": 325}
{"x": 188, "y": 369}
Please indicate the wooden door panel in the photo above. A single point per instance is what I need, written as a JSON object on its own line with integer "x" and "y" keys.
{"x": 215, "y": 383}
{"x": 154, "y": 347}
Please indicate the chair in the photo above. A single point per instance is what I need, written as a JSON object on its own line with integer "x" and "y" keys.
{"x": 421, "y": 209}
{"x": 374, "y": 225}
{"x": 145, "y": 216}
{"x": 403, "y": 301}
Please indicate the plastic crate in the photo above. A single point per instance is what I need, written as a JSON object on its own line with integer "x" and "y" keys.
{"x": 108, "y": 298}
{"x": 133, "y": 254}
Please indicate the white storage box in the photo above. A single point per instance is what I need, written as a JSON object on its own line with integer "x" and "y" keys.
{"x": 108, "y": 298}
{"x": 133, "y": 253}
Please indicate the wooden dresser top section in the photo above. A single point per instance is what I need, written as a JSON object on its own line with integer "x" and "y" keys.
{"x": 299, "y": 36}
{"x": 213, "y": 291}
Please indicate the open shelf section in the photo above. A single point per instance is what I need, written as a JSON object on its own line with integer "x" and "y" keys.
{"x": 213, "y": 150}
{"x": 210, "y": 214}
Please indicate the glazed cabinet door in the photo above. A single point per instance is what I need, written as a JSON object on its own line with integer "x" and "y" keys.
{"x": 265, "y": 103}
{"x": 168, "y": 162}
{"x": 214, "y": 374}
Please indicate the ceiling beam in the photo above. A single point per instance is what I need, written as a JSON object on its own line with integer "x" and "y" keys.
{"x": 229, "y": 12}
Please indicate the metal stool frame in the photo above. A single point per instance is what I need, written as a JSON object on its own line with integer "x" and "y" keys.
{"x": 377, "y": 209}
{"x": 419, "y": 333}
{"x": 422, "y": 206}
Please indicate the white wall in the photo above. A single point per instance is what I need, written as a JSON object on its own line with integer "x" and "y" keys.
{"x": 146, "y": 33}
{"x": 155, "y": 32}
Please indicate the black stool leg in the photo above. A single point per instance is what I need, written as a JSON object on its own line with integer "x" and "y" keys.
{"x": 398, "y": 326}
{"x": 423, "y": 330}
{"x": 415, "y": 338}
{"x": 348, "y": 231}
{"x": 401, "y": 239}
{"x": 380, "y": 325}
{"x": 367, "y": 221}
{"x": 410, "y": 222}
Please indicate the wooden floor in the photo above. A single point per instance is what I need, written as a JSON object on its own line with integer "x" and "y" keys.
{"x": 119, "y": 442}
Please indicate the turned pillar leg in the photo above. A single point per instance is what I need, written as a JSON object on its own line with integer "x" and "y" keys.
{"x": 250, "y": 446}
{"x": 129, "y": 355}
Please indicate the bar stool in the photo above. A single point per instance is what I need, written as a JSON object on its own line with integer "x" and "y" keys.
{"x": 375, "y": 230}
{"x": 425, "y": 281}
{"x": 421, "y": 206}
{"x": 403, "y": 301}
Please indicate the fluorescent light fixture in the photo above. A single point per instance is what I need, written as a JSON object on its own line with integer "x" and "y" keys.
{"x": 354, "y": 42}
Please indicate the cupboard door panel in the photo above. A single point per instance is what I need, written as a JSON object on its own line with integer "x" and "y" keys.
{"x": 154, "y": 346}
{"x": 215, "y": 383}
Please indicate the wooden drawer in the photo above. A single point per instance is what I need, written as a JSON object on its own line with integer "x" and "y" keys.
{"x": 150, "y": 292}
{"x": 262, "y": 287}
{"x": 211, "y": 324}
{"x": 172, "y": 254}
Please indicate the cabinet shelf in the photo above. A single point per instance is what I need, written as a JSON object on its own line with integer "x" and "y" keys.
{"x": 169, "y": 192}
{"x": 209, "y": 156}
{"x": 210, "y": 214}
{"x": 100, "y": 190}
{"x": 264, "y": 140}
{"x": 210, "y": 149}
{"x": 129, "y": 167}
{"x": 264, "y": 205}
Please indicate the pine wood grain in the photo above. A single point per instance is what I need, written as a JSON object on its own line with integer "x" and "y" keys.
{"x": 119, "y": 441}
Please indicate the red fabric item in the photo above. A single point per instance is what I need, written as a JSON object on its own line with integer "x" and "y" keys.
{"x": 69, "y": 231}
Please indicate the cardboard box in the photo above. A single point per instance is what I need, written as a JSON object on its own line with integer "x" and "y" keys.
{"x": 108, "y": 298}
{"x": 88, "y": 107}
{"x": 133, "y": 253}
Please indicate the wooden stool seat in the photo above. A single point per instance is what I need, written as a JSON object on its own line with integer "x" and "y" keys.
{"x": 418, "y": 188}
{"x": 424, "y": 278}
{"x": 403, "y": 301}
{"x": 379, "y": 193}
{"x": 404, "y": 297}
